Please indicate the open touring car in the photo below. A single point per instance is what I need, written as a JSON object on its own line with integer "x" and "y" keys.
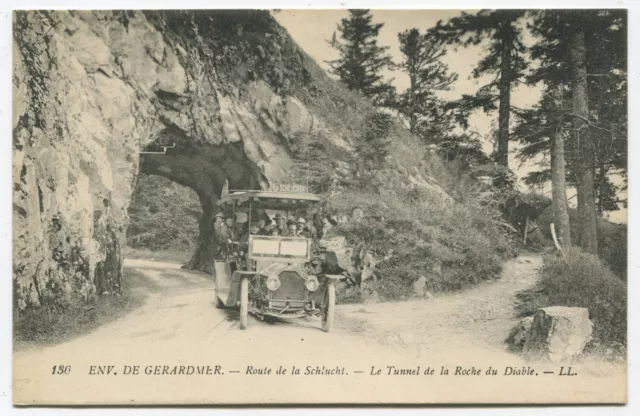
{"x": 274, "y": 276}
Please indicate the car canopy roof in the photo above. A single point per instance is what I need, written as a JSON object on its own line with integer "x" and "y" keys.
{"x": 269, "y": 199}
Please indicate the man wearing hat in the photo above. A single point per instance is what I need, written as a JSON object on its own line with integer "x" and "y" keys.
{"x": 302, "y": 229}
{"x": 222, "y": 235}
{"x": 281, "y": 226}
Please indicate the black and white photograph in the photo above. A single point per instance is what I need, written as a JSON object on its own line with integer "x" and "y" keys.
{"x": 319, "y": 206}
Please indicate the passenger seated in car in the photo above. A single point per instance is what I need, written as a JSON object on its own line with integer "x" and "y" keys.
{"x": 292, "y": 227}
{"x": 302, "y": 230}
{"x": 264, "y": 223}
{"x": 230, "y": 223}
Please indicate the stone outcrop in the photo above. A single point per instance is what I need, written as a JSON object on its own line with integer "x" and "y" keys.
{"x": 419, "y": 287}
{"x": 519, "y": 333}
{"x": 93, "y": 89}
{"x": 556, "y": 333}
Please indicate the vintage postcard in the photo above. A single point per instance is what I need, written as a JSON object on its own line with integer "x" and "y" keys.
{"x": 319, "y": 207}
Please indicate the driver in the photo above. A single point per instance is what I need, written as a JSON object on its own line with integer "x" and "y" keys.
{"x": 254, "y": 229}
{"x": 281, "y": 226}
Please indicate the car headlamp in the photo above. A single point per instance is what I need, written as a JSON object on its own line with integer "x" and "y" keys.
{"x": 273, "y": 283}
{"x": 312, "y": 284}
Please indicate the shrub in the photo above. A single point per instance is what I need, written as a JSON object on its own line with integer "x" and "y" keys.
{"x": 612, "y": 239}
{"x": 372, "y": 145}
{"x": 583, "y": 281}
{"x": 413, "y": 232}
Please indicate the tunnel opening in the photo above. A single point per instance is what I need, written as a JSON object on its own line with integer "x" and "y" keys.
{"x": 203, "y": 168}
{"x": 163, "y": 220}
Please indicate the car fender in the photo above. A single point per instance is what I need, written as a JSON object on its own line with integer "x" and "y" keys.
{"x": 334, "y": 277}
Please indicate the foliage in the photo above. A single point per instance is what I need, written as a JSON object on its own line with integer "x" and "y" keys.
{"x": 583, "y": 281}
{"x": 520, "y": 206}
{"x": 504, "y": 60}
{"x": 612, "y": 240}
{"x": 372, "y": 146}
{"x": 163, "y": 216}
{"x": 427, "y": 115}
{"x": 314, "y": 162}
{"x": 607, "y": 91}
{"x": 467, "y": 149}
{"x": 361, "y": 59}
{"x": 418, "y": 230}
{"x": 415, "y": 235}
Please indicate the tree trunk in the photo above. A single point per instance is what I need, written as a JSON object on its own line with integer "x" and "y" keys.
{"x": 559, "y": 189}
{"x": 602, "y": 182}
{"x": 413, "y": 119}
{"x": 505, "y": 101}
{"x": 203, "y": 257}
{"x": 588, "y": 234}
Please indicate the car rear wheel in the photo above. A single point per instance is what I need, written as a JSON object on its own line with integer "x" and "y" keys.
{"x": 244, "y": 303}
{"x": 329, "y": 307}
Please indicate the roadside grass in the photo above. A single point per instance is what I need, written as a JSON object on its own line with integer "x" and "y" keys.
{"x": 40, "y": 327}
{"x": 171, "y": 256}
{"x": 612, "y": 239}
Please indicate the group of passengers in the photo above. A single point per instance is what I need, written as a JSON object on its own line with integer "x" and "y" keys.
{"x": 226, "y": 231}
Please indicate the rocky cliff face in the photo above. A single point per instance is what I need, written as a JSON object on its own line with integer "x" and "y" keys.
{"x": 93, "y": 89}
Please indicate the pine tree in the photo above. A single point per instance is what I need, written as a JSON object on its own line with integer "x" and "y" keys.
{"x": 504, "y": 60}
{"x": 362, "y": 60}
{"x": 427, "y": 115}
{"x": 544, "y": 129}
{"x": 589, "y": 65}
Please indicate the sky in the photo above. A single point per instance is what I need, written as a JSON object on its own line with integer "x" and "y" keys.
{"x": 311, "y": 29}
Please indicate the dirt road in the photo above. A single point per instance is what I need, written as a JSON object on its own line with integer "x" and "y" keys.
{"x": 179, "y": 326}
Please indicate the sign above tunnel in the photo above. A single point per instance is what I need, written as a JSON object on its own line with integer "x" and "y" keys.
{"x": 285, "y": 187}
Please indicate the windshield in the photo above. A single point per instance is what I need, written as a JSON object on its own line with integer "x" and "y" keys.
{"x": 279, "y": 247}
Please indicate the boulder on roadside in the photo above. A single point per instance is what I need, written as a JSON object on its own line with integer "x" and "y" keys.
{"x": 420, "y": 287}
{"x": 519, "y": 333}
{"x": 557, "y": 333}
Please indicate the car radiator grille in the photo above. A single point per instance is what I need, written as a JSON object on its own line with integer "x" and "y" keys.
{"x": 291, "y": 287}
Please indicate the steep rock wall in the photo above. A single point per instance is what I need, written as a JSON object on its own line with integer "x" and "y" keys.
{"x": 93, "y": 89}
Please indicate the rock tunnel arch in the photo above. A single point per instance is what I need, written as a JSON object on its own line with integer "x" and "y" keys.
{"x": 203, "y": 167}
{"x": 105, "y": 86}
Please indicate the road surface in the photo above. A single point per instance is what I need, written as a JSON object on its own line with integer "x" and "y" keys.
{"x": 178, "y": 330}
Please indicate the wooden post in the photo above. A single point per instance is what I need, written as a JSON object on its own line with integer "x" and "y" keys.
{"x": 526, "y": 228}
{"x": 555, "y": 240}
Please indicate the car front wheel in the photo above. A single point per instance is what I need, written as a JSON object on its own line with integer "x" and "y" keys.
{"x": 329, "y": 307}
{"x": 244, "y": 303}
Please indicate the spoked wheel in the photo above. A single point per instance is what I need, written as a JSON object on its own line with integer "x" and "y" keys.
{"x": 244, "y": 303}
{"x": 219, "y": 303}
{"x": 329, "y": 307}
